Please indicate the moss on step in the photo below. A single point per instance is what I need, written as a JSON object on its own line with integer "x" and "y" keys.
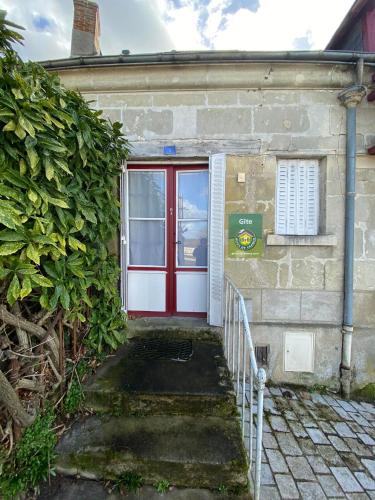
{"x": 110, "y": 464}
{"x": 366, "y": 393}
{"x": 121, "y": 403}
{"x": 176, "y": 333}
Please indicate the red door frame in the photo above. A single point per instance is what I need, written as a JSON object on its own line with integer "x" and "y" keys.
{"x": 171, "y": 222}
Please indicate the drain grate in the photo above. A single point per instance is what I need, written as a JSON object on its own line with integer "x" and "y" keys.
{"x": 173, "y": 350}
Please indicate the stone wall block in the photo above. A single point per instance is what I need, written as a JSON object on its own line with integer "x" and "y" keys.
{"x": 364, "y": 275}
{"x": 133, "y": 100}
{"x": 113, "y": 115}
{"x": 337, "y": 120}
{"x": 334, "y": 275}
{"x": 369, "y": 236}
{"x": 364, "y": 208}
{"x": 282, "y": 119}
{"x": 321, "y": 306}
{"x": 184, "y": 122}
{"x": 335, "y": 168}
{"x": 311, "y": 252}
{"x": 234, "y": 190}
{"x": 250, "y": 97}
{"x": 319, "y": 97}
{"x": 284, "y": 275}
{"x": 359, "y": 244}
{"x": 251, "y": 165}
{"x": 227, "y": 122}
{"x": 147, "y": 124}
{"x": 176, "y": 99}
{"x": 313, "y": 143}
{"x": 319, "y": 120}
{"x": 225, "y": 98}
{"x": 364, "y": 310}
{"x": 253, "y": 302}
{"x": 279, "y": 142}
{"x": 251, "y": 273}
{"x": 308, "y": 274}
{"x": 363, "y": 357}
{"x": 281, "y": 305}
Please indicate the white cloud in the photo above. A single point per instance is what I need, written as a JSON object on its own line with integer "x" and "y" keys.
{"x": 163, "y": 25}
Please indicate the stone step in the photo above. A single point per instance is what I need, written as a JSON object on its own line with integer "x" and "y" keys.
{"x": 186, "y": 451}
{"x": 163, "y": 376}
{"x": 178, "y": 327}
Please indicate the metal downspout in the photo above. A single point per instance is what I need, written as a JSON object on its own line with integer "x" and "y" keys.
{"x": 350, "y": 98}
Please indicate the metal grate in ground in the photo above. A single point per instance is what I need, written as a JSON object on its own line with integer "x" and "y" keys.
{"x": 172, "y": 350}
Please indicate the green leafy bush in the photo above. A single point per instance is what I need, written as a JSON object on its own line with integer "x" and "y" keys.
{"x": 59, "y": 165}
{"x": 31, "y": 459}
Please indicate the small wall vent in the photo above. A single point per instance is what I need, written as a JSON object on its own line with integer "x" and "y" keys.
{"x": 262, "y": 354}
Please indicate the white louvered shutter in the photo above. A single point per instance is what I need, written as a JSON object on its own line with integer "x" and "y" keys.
{"x": 297, "y": 199}
{"x": 123, "y": 262}
{"x": 216, "y": 240}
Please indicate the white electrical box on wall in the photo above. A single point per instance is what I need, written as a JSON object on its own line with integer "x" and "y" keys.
{"x": 299, "y": 349}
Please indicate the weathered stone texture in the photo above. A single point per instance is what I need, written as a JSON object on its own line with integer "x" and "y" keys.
{"x": 215, "y": 122}
{"x": 113, "y": 115}
{"x": 269, "y": 119}
{"x": 121, "y": 100}
{"x": 326, "y": 306}
{"x": 281, "y": 305}
{"x": 147, "y": 124}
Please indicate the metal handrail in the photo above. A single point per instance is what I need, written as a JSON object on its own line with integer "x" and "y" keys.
{"x": 240, "y": 356}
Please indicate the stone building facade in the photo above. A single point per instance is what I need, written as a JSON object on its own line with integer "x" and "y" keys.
{"x": 258, "y": 113}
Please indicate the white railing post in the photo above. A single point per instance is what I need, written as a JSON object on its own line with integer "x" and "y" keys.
{"x": 255, "y": 377}
{"x": 258, "y": 460}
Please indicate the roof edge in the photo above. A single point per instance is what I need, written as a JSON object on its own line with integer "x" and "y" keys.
{"x": 207, "y": 57}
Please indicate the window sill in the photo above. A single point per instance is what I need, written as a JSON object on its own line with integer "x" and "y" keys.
{"x": 319, "y": 240}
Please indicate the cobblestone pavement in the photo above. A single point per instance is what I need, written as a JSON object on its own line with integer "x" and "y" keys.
{"x": 317, "y": 446}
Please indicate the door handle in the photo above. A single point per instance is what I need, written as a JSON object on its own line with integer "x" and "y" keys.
{"x": 177, "y": 242}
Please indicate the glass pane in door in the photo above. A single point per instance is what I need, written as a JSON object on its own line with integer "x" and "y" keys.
{"x": 147, "y": 223}
{"x": 192, "y": 212}
{"x": 192, "y": 195}
{"x": 146, "y": 194}
{"x": 147, "y": 243}
{"x": 192, "y": 246}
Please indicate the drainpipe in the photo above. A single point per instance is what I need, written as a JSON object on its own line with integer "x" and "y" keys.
{"x": 350, "y": 98}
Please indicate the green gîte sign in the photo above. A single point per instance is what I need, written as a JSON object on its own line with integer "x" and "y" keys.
{"x": 245, "y": 236}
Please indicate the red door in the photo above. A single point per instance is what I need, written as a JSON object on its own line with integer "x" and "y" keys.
{"x": 167, "y": 240}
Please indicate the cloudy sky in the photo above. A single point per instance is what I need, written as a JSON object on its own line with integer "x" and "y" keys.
{"x": 163, "y": 25}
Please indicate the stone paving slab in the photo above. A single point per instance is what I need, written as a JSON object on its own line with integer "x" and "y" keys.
{"x": 317, "y": 446}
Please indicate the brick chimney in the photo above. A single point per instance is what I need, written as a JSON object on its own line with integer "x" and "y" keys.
{"x": 86, "y": 29}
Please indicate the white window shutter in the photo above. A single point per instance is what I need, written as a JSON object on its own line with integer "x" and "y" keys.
{"x": 216, "y": 239}
{"x": 297, "y": 197}
{"x": 292, "y": 199}
{"x": 123, "y": 241}
{"x": 281, "y": 198}
{"x": 312, "y": 197}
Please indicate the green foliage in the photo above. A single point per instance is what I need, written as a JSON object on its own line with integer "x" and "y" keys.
{"x": 223, "y": 490}
{"x": 129, "y": 481}
{"x": 73, "y": 398}
{"x": 59, "y": 165}
{"x": 31, "y": 459}
{"x": 8, "y": 35}
{"x": 162, "y": 486}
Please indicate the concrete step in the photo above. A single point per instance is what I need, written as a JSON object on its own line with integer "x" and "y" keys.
{"x": 174, "y": 327}
{"x": 187, "y": 451}
{"x": 164, "y": 376}
{"x": 68, "y": 488}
